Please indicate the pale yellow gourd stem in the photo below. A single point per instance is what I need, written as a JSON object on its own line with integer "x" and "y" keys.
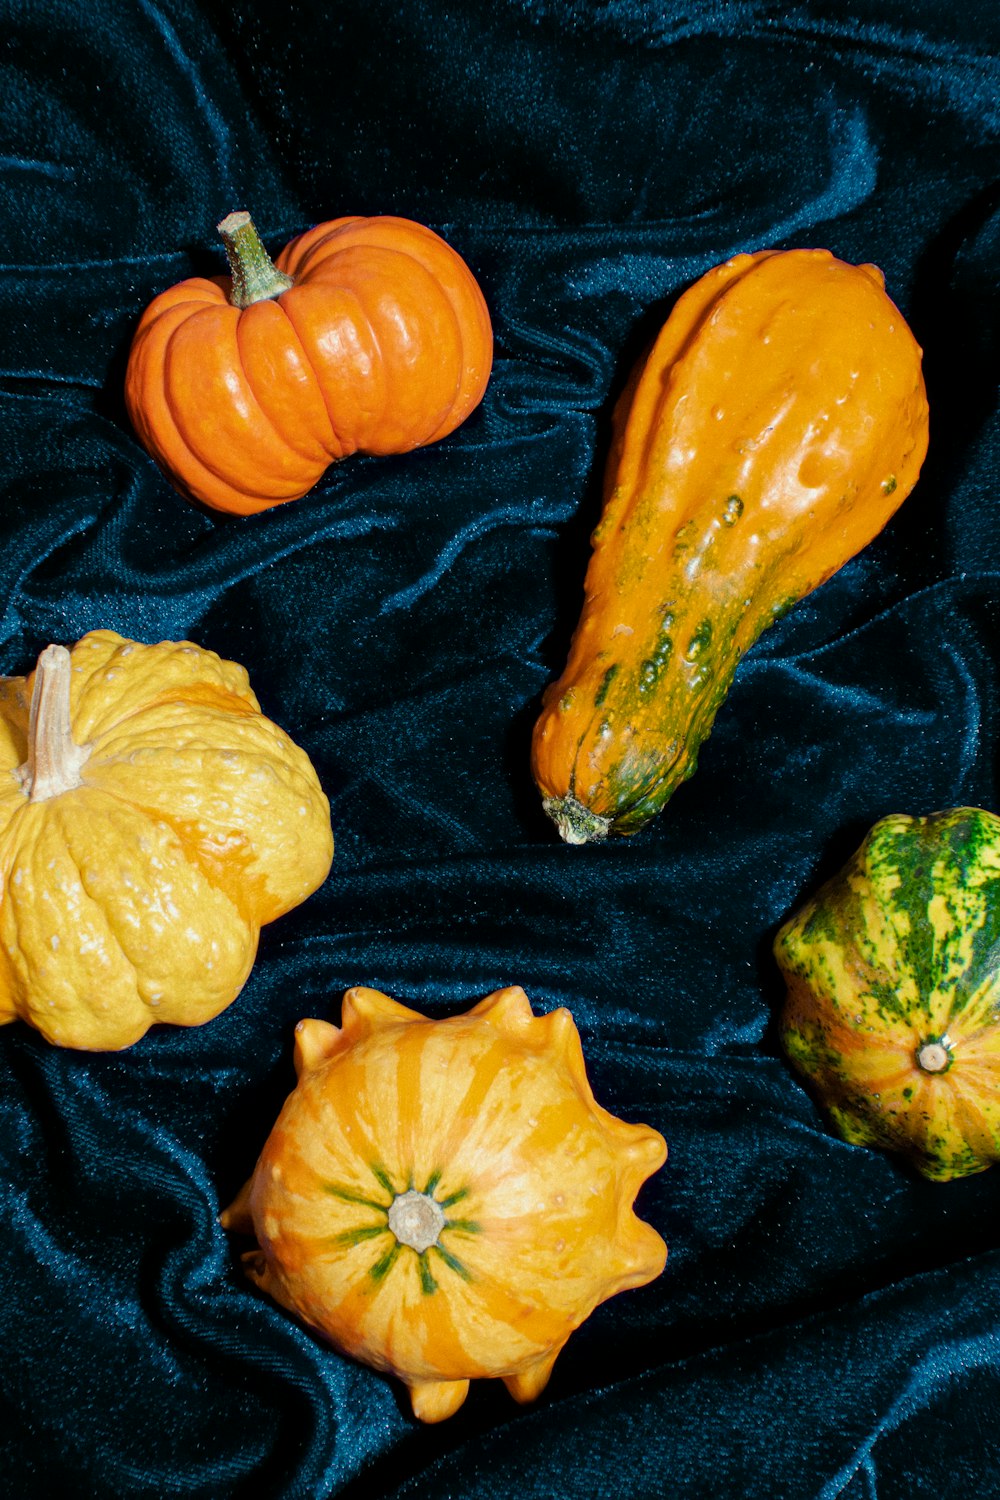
{"x": 416, "y": 1220}
{"x": 54, "y": 758}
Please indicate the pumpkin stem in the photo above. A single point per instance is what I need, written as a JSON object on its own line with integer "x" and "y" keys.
{"x": 255, "y": 276}
{"x": 54, "y": 758}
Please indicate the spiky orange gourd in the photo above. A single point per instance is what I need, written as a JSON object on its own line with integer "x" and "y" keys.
{"x": 445, "y": 1200}
{"x": 776, "y": 425}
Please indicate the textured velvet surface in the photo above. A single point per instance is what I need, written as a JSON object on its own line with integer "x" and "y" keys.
{"x": 828, "y": 1324}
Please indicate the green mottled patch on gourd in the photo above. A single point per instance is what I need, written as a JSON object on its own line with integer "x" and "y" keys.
{"x": 810, "y": 1049}
{"x": 644, "y": 780}
{"x": 605, "y": 687}
{"x": 852, "y": 1126}
{"x": 658, "y": 707}
{"x": 942, "y": 901}
{"x": 654, "y": 664}
{"x": 701, "y": 639}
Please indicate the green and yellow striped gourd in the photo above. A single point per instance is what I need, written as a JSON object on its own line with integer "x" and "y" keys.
{"x": 893, "y": 991}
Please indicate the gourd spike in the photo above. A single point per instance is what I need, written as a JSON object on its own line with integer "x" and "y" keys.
{"x": 364, "y": 1010}
{"x": 528, "y": 1384}
{"x": 645, "y": 1147}
{"x": 435, "y": 1400}
{"x": 643, "y": 1256}
{"x": 237, "y": 1217}
{"x": 509, "y": 1008}
{"x": 314, "y": 1043}
{"x": 257, "y": 1270}
{"x": 562, "y": 1036}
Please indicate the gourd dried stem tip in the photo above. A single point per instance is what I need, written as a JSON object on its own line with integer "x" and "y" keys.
{"x": 416, "y": 1220}
{"x": 576, "y": 824}
{"x": 934, "y": 1057}
{"x": 54, "y": 758}
{"x": 255, "y": 276}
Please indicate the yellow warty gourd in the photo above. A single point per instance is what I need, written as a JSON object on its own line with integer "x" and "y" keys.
{"x": 151, "y": 820}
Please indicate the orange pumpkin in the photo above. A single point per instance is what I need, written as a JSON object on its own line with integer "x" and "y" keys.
{"x": 367, "y": 334}
{"x": 445, "y": 1199}
{"x": 776, "y": 425}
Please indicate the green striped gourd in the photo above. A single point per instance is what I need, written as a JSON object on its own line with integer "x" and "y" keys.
{"x": 892, "y": 970}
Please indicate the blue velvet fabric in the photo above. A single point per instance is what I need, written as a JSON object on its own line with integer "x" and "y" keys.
{"x": 828, "y": 1324}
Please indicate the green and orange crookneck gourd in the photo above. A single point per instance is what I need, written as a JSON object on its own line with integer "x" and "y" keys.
{"x": 893, "y": 976}
{"x": 445, "y": 1200}
{"x": 774, "y": 428}
{"x": 366, "y": 334}
{"x": 151, "y": 820}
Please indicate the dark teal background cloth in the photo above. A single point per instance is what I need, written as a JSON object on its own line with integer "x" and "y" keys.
{"x": 828, "y": 1324}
